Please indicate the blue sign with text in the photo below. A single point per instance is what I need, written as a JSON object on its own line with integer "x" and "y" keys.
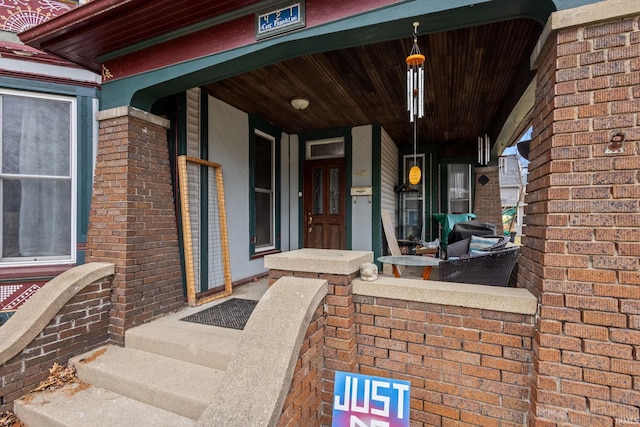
{"x": 367, "y": 401}
{"x": 280, "y": 20}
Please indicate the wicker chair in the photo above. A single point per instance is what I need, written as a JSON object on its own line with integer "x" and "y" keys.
{"x": 493, "y": 269}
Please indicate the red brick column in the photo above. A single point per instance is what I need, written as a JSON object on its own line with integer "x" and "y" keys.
{"x": 132, "y": 221}
{"x": 582, "y": 225}
{"x": 486, "y": 201}
{"x": 340, "y": 353}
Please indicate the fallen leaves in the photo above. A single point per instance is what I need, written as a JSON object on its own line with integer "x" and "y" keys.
{"x": 58, "y": 376}
{"x": 8, "y": 419}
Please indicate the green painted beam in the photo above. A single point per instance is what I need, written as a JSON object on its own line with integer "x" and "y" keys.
{"x": 389, "y": 23}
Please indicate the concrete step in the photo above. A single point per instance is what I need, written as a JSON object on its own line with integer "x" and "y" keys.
{"x": 176, "y": 386}
{"x": 204, "y": 345}
{"x": 82, "y": 405}
{"x": 168, "y": 363}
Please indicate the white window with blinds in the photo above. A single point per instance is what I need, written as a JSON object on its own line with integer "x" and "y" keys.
{"x": 459, "y": 188}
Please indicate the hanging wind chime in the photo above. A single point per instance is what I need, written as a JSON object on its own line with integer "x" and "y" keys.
{"x": 415, "y": 98}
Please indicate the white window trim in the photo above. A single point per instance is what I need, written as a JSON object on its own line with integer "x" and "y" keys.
{"x": 272, "y": 192}
{"x": 73, "y": 132}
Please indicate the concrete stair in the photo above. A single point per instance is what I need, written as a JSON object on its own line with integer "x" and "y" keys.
{"x": 166, "y": 375}
{"x": 174, "y": 373}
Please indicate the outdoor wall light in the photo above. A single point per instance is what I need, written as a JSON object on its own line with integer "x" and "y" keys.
{"x": 299, "y": 103}
{"x": 616, "y": 143}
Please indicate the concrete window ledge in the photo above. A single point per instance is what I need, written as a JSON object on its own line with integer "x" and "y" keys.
{"x": 496, "y": 298}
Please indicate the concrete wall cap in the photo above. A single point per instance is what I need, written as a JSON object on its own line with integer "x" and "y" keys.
{"x": 496, "y": 298}
{"x": 590, "y": 14}
{"x": 35, "y": 314}
{"x": 329, "y": 261}
{"x": 126, "y": 111}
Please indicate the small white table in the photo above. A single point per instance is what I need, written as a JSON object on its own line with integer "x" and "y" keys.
{"x": 410, "y": 261}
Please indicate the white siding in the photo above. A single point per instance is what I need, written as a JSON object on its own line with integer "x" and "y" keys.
{"x": 361, "y": 175}
{"x": 289, "y": 192}
{"x": 193, "y": 122}
{"x": 389, "y": 172}
{"x": 229, "y": 146}
{"x": 193, "y": 150}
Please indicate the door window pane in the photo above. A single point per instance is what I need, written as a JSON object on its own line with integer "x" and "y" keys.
{"x": 334, "y": 187}
{"x": 318, "y": 192}
{"x": 325, "y": 149}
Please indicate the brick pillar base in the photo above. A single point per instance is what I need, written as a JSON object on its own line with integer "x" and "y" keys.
{"x": 132, "y": 221}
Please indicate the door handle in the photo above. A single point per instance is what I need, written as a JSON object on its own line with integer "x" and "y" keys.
{"x": 310, "y": 222}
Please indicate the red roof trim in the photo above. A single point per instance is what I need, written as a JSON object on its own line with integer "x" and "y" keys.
{"x": 56, "y": 26}
{"x": 49, "y": 79}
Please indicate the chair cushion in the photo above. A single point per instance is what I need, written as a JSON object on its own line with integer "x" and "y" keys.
{"x": 478, "y": 242}
{"x": 458, "y": 248}
{"x": 478, "y": 253}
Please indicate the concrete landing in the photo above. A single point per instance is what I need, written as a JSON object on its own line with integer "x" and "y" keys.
{"x": 195, "y": 343}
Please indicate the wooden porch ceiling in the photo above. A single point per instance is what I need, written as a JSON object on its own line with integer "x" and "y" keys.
{"x": 474, "y": 77}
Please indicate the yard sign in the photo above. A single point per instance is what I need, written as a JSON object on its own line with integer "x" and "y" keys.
{"x": 366, "y": 401}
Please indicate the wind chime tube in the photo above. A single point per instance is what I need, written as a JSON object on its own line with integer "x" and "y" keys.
{"x": 410, "y": 93}
{"x": 479, "y": 150}
{"x": 486, "y": 149}
{"x": 420, "y": 92}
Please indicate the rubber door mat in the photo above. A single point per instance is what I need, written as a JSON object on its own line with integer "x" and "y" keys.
{"x": 232, "y": 313}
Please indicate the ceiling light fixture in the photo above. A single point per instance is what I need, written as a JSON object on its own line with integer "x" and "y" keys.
{"x": 299, "y": 103}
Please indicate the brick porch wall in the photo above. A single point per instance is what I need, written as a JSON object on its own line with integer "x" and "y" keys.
{"x": 80, "y": 326}
{"x": 467, "y": 367}
{"x": 582, "y": 244}
{"x": 486, "y": 199}
{"x": 303, "y": 404}
{"x": 132, "y": 221}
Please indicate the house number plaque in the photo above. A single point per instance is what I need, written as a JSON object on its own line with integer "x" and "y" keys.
{"x": 287, "y": 17}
